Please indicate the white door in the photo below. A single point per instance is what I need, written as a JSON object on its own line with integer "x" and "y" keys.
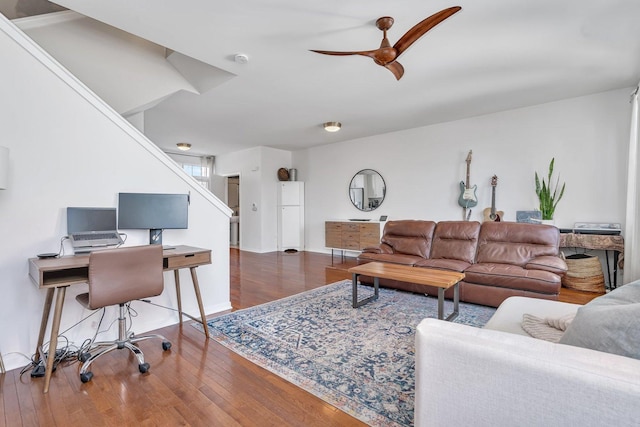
{"x": 290, "y": 193}
{"x": 290, "y": 226}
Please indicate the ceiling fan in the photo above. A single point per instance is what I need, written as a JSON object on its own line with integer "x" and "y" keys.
{"x": 387, "y": 55}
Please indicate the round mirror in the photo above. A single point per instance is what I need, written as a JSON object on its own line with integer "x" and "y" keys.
{"x": 367, "y": 190}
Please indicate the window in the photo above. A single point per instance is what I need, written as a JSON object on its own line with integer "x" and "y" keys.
{"x": 200, "y": 168}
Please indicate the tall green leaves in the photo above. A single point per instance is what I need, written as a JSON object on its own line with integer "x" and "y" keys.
{"x": 548, "y": 199}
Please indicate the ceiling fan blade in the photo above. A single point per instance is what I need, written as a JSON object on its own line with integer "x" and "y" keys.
{"x": 369, "y": 53}
{"x": 396, "y": 68}
{"x": 422, "y": 27}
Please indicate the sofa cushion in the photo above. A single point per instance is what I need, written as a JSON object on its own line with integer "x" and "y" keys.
{"x": 380, "y": 249}
{"x": 456, "y": 240}
{"x": 444, "y": 264}
{"x": 513, "y": 277}
{"x": 516, "y": 243}
{"x": 411, "y": 237}
{"x": 548, "y": 263}
{"x": 609, "y": 323}
{"x": 403, "y": 259}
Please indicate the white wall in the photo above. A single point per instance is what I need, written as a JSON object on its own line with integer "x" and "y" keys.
{"x": 588, "y": 136}
{"x": 69, "y": 149}
{"x": 257, "y": 168}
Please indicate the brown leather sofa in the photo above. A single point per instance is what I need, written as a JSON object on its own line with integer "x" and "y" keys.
{"x": 499, "y": 259}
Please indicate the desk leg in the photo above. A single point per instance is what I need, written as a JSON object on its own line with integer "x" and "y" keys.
{"x": 176, "y": 275}
{"x": 606, "y": 257}
{"x": 43, "y": 323}
{"x": 53, "y": 342}
{"x": 616, "y": 256}
{"x": 196, "y": 288}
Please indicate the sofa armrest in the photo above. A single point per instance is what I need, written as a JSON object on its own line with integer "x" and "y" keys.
{"x": 552, "y": 264}
{"x": 473, "y": 376}
{"x": 382, "y": 248}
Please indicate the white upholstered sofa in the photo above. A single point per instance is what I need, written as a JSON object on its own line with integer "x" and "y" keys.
{"x": 501, "y": 376}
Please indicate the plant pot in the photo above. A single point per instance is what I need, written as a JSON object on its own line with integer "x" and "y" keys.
{"x": 548, "y": 222}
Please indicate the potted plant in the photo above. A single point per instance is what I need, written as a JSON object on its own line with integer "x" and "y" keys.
{"x": 548, "y": 198}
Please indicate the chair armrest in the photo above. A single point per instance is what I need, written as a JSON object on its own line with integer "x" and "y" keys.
{"x": 382, "y": 248}
{"x": 552, "y": 264}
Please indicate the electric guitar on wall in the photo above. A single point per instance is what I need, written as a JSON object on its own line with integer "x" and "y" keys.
{"x": 490, "y": 214}
{"x": 468, "y": 197}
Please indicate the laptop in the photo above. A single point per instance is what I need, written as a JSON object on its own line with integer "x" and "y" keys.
{"x": 91, "y": 229}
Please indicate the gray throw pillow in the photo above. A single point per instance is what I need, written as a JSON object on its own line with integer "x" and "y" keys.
{"x": 610, "y": 323}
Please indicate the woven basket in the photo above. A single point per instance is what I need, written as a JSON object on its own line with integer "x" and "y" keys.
{"x": 283, "y": 174}
{"x": 584, "y": 273}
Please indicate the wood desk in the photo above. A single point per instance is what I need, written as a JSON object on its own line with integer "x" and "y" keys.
{"x": 59, "y": 273}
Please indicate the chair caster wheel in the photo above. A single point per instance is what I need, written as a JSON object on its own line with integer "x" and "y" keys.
{"x": 84, "y": 357}
{"x": 166, "y": 345}
{"x": 143, "y": 367}
{"x": 86, "y": 377}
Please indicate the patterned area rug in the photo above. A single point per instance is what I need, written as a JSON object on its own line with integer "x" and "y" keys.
{"x": 359, "y": 360}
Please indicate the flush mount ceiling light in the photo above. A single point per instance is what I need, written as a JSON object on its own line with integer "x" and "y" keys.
{"x": 184, "y": 146}
{"x": 332, "y": 126}
{"x": 241, "y": 58}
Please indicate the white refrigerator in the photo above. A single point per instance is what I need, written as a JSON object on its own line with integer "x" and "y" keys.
{"x": 290, "y": 216}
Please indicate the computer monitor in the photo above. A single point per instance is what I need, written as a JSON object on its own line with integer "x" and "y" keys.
{"x": 153, "y": 211}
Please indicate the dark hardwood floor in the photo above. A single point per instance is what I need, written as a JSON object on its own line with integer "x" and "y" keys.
{"x": 199, "y": 382}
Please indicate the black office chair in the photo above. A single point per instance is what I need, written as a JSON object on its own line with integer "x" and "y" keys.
{"x": 117, "y": 276}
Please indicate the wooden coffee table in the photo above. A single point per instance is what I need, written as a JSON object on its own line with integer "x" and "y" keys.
{"x": 442, "y": 279}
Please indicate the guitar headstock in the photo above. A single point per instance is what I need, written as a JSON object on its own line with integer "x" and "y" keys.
{"x": 494, "y": 180}
{"x": 469, "y": 157}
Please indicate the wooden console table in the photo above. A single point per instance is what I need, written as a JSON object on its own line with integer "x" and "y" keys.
{"x": 602, "y": 242}
{"x": 351, "y": 235}
{"x": 57, "y": 274}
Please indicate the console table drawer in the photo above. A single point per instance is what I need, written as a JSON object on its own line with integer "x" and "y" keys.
{"x": 187, "y": 260}
{"x": 351, "y": 240}
{"x": 369, "y": 236}
{"x": 333, "y": 234}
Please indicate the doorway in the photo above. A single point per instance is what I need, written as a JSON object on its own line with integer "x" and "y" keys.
{"x": 233, "y": 201}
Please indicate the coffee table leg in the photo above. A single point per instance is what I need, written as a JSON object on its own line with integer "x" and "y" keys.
{"x": 440, "y": 303}
{"x": 456, "y": 303}
{"x": 354, "y": 292}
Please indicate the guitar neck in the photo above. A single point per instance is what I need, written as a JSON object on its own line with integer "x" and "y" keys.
{"x": 493, "y": 200}
{"x": 468, "y": 160}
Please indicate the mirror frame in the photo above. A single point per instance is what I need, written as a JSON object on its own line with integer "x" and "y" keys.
{"x": 362, "y": 190}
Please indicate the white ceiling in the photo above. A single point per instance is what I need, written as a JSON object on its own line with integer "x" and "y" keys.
{"x": 494, "y": 55}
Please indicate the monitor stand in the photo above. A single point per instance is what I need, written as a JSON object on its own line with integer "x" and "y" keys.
{"x": 155, "y": 236}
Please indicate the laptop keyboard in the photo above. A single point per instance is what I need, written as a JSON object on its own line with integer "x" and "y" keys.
{"x": 96, "y": 236}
